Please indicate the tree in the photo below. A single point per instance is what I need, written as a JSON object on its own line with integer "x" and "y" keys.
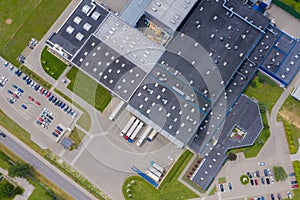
{"x": 232, "y": 156}
{"x": 19, "y": 170}
{"x": 6, "y": 190}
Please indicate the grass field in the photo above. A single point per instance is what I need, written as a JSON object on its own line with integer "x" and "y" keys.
{"x": 76, "y": 135}
{"x": 293, "y": 4}
{"x": 170, "y": 188}
{"x": 296, "y": 165}
{"x": 22, "y": 20}
{"x": 85, "y": 120}
{"x": 35, "y": 77}
{"x": 289, "y": 113}
{"x": 264, "y": 90}
{"x": 53, "y": 66}
{"x": 88, "y": 89}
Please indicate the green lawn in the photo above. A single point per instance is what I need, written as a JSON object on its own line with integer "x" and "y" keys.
{"x": 293, "y": 4}
{"x": 29, "y": 19}
{"x": 53, "y": 66}
{"x": 289, "y": 113}
{"x": 5, "y": 185}
{"x": 36, "y": 77}
{"x": 170, "y": 188}
{"x": 264, "y": 90}
{"x": 76, "y": 135}
{"x": 213, "y": 191}
{"x": 88, "y": 89}
{"x": 85, "y": 120}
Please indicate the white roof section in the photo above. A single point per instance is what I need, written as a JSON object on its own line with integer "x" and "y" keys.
{"x": 129, "y": 42}
{"x": 70, "y": 29}
{"x": 296, "y": 93}
{"x": 170, "y": 12}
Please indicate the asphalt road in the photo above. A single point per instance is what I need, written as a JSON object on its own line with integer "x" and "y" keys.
{"x": 63, "y": 182}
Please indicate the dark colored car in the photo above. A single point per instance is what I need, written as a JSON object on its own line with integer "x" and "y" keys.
{"x": 16, "y": 96}
{"x": 268, "y": 181}
{"x": 57, "y": 131}
{"x": 20, "y": 90}
{"x": 38, "y": 122}
{"x": 279, "y": 196}
{"x": 256, "y": 182}
{"x": 294, "y": 182}
{"x": 66, "y": 108}
{"x": 9, "y": 92}
{"x": 59, "y": 128}
{"x": 57, "y": 102}
{"x": 263, "y": 180}
{"x": 249, "y": 175}
{"x": 24, "y": 106}
{"x": 266, "y": 172}
{"x": 62, "y": 105}
{"x": 48, "y": 94}
{"x": 257, "y": 174}
{"x": 54, "y": 100}
{"x": 14, "y": 86}
{"x": 24, "y": 77}
{"x": 251, "y": 182}
{"x": 292, "y": 174}
{"x": 50, "y": 98}
{"x": 53, "y": 133}
{"x": 2, "y": 134}
{"x": 272, "y": 197}
{"x": 49, "y": 116}
{"x": 222, "y": 187}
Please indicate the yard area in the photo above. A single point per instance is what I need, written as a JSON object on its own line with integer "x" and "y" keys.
{"x": 88, "y": 89}
{"x": 53, "y": 66}
{"x": 22, "y": 20}
{"x": 170, "y": 188}
{"x": 76, "y": 135}
{"x": 289, "y": 113}
{"x": 264, "y": 90}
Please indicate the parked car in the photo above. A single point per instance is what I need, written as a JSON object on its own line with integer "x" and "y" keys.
{"x": 48, "y": 94}
{"x": 14, "y": 86}
{"x": 59, "y": 128}
{"x": 30, "y": 98}
{"x": 50, "y": 98}
{"x": 24, "y": 106}
{"x": 263, "y": 180}
{"x": 257, "y": 173}
{"x": 268, "y": 181}
{"x": 2, "y": 134}
{"x": 10, "y": 101}
{"x": 15, "y": 96}
{"x": 222, "y": 187}
{"x": 272, "y": 179}
{"x": 295, "y": 186}
{"x": 62, "y": 105}
{"x": 266, "y": 172}
{"x": 261, "y": 164}
{"x": 279, "y": 196}
{"x": 53, "y": 133}
{"x": 269, "y": 172}
{"x": 294, "y": 182}
{"x": 289, "y": 194}
{"x": 37, "y": 103}
{"x": 292, "y": 174}
{"x": 229, "y": 186}
{"x": 20, "y": 90}
{"x": 9, "y": 92}
{"x": 256, "y": 182}
{"x": 251, "y": 182}
{"x": 272, "y": 197}
{"x": 38, "y": 122}
{"x": 57, "y": 131}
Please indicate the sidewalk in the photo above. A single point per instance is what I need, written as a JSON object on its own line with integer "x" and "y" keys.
{"x": 22, "y": 182}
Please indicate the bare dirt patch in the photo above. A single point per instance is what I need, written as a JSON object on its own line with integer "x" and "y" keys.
{"x": 290, "y": 117}
{"x": 8, "y": 21}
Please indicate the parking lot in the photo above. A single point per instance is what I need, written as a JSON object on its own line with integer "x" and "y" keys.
{"x": 25, "y": 98}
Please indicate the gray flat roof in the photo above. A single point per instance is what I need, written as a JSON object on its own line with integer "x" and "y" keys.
{"x": 129, "y": 42}
{"x": 84, "y": 20}
{"x": 170, "y": 12}
{"x": 108, "y": 67}
{"x": 246, "y": 116}
{"x": 134, "y": 10}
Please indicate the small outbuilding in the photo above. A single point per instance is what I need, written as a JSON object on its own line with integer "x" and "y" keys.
{"x": 67, "y": 143}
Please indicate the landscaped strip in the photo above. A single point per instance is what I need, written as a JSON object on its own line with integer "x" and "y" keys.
{"x": 24, "y": 136}
{"x": 290, "y": 6}
{"x": 88, "y": 89}
{"x": 35, "y": 77}
{"x": 39, "y": 192}
{"x": 53, "y": 66}
{"x": 85, "y": 120}
{"x": 30, "y": 19}
{"x": 170, "y": 188}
